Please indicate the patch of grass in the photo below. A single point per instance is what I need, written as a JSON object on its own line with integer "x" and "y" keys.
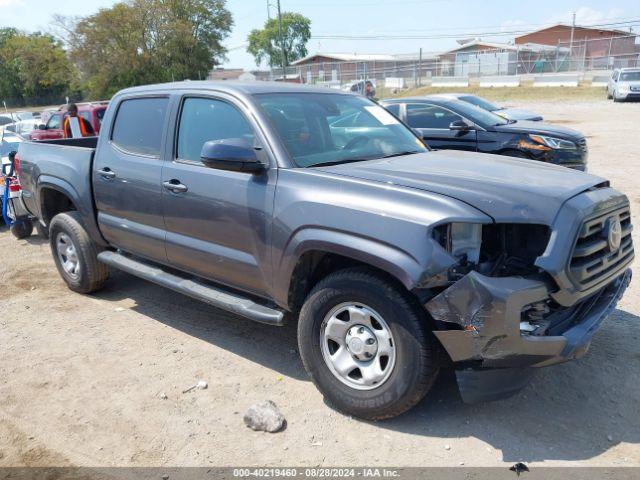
{"x": 502, "y": 94}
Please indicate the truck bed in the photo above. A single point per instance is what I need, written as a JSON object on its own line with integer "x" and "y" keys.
{"x": 62, "y": 165}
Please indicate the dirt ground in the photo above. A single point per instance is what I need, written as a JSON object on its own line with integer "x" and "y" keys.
{"x": 82, "y": 378}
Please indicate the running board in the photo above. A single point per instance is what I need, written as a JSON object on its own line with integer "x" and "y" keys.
{"x": 216, "y": 297}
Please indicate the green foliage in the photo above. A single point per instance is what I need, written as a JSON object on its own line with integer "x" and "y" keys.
{"x": 32, "y": 66}
{"x": 148, "y": 41}
{"x": 265, "y": 43}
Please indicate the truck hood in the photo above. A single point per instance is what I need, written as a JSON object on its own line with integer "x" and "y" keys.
{"x": 525, "y": 126}
{"x": 505, "y": 188}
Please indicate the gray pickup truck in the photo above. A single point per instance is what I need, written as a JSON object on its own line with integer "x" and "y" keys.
{"x": 394, "y": 260}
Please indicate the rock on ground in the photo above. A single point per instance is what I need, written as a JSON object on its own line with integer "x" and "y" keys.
{"x": 264, "y": 417}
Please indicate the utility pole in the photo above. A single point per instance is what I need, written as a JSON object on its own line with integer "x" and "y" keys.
{"x": 573, "y": 27}
{"x": 283, "y": 52}
{"x": 420, "y": 67}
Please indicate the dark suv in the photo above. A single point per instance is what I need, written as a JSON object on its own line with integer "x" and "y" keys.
{"x": 453, "y": 124}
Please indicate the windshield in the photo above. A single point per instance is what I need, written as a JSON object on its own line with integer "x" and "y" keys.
{"x": 630, "y": 76}
{"x": 327, "y": 128}
{"x": 480, "y": 102}
{"x": 477, "y": 115}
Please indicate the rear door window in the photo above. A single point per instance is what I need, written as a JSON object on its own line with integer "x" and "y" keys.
{"x": 139, "y": 124}
{"x": 430, "y": 116}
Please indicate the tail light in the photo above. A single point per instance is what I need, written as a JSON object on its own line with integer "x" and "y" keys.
{"x": 14, "y": 186}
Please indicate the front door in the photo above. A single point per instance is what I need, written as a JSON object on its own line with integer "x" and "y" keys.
{"x": 127, "y": 177}
{"x": 433, "y": 123}
{"x": 217, "y": 222}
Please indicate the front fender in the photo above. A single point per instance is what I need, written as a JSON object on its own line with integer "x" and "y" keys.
{"x": 400, "y": 264}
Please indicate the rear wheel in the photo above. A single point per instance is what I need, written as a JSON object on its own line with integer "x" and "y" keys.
{"x": 366, "y": 344}
{"x": 75, "y": 254}
{"x": 22, "y": 229}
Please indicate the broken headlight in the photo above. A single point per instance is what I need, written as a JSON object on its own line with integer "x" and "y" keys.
{"x": 462, "y": 240}
{"x": 496, "y": 249}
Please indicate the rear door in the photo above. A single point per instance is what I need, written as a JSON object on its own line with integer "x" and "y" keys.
{"x": 432, "y": 121}
{"x": 218, "y": 224}
{"x": 127, "y": 177}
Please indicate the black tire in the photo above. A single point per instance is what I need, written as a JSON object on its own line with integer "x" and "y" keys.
{"x": 416, "y": 352}
{"x": 91, "y": 274}
{"x": 22, "y": 229}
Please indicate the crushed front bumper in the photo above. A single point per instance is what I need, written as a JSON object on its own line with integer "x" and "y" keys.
{"x": 493, "y": 358}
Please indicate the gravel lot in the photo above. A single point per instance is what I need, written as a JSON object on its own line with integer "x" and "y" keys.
{"x": 82, "y": 378}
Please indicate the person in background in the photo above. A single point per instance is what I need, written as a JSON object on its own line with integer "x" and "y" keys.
{"x": 75, "y": 126}
{"x": 369, "y": 90}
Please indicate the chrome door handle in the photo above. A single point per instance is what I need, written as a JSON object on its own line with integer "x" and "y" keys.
{"x": 175, "y": 186}
{"x": 107, "y": 173}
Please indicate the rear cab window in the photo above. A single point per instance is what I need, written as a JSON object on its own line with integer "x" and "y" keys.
{"x": 139, "y": 124}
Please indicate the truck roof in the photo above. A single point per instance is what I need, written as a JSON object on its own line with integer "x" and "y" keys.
{"x": 230, "y": 86}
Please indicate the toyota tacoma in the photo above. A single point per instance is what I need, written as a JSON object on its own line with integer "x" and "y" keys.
{"x": 393, "y": 259}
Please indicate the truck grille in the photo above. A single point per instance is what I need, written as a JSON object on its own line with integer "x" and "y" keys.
{"x": 594, "y": 260}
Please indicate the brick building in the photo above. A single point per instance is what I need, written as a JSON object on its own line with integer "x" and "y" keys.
{"x": 591, "y": 47}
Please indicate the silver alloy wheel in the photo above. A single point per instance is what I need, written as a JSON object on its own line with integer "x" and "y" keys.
{"x": 68, "y": 255}
{"x": 357, "y": 346}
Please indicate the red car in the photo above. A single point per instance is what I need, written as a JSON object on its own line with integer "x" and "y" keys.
{"x": 93, "y": 112}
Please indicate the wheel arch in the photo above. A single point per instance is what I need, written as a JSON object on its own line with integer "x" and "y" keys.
{"x": 56, "y": 195}
{"x": 316, "y": 253}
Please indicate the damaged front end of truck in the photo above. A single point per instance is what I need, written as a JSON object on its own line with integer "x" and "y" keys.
{"x": 517, "y": 296}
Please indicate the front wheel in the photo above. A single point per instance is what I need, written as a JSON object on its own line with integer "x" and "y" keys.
{"x": 366, "y": 344}
{"x": 75, "y": 254}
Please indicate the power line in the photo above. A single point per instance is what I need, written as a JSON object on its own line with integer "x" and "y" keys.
{"x": 629, "y": 23}
{"x": 523, "y": 25}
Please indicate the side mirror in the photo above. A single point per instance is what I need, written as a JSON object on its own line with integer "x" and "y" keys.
{"x": 234, "y": 154}
{"x": 460, "y": 125}
{"x": 42, "y": 126}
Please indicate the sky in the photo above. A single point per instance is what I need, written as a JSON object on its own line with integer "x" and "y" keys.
{"x": 455, "y": 18}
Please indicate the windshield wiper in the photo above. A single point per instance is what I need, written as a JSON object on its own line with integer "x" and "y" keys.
{"x": 362, "y": 159}
{"x": 340, "y": 162}
{"x": 400, "y": 154}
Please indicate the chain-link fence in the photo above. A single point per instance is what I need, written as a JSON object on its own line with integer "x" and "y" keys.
{"x": 585, "y": 58}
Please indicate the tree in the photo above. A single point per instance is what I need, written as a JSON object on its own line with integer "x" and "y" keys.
{"x": 265, "y": 43}
{"x": 33, "y": 66}
{"x": 147, "y": 41}
{"x": 9, "y": 81}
